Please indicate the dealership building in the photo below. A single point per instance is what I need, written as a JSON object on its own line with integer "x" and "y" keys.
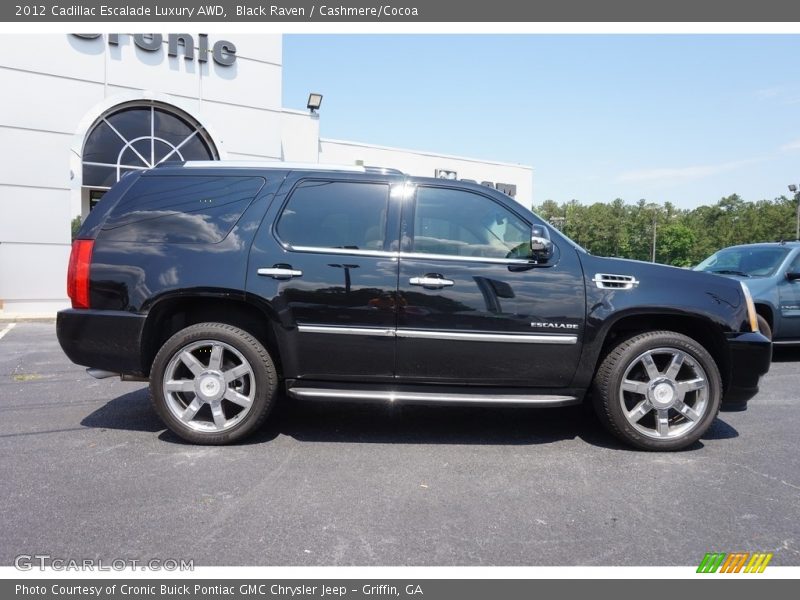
{"x": 79, "y": 111}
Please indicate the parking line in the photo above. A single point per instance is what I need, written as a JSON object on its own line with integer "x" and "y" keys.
{"x": 8, "y": 328}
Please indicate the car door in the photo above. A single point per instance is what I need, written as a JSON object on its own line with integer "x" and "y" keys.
{"x": 473, "y": 307}
{"x": 789, "y": 298}
{"x": 323, "y": 262}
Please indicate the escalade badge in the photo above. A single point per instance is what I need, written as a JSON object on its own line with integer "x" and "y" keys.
{"x": 552, "y": 325}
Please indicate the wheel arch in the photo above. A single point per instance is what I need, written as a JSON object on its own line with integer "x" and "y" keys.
{"x": 767, "y": 311}
{"x": 171, "y": 313}
{"x": 703, "y": 330}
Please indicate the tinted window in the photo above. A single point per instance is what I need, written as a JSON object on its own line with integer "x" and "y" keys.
{"x": 335, "y": 214}
{"x": 459, "y": 223}
{"x": 751, "y": 261}
{"x": 795, "y": 266}
{"x": 181, "y": 209}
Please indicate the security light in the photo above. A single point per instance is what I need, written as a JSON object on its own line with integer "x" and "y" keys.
{"x": 314, "y": 101}
{"x": 792, "y": 188}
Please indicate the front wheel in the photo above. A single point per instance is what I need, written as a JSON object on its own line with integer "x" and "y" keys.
{"x": 213, "y": 383}
{"x": 658, "y": 390}
{"x": 763, "y": 327}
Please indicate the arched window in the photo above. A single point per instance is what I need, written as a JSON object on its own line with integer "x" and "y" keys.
{"x": 139, "y": 136}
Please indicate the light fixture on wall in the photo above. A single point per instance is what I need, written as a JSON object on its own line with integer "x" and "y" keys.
{"x": 314, "y": 102}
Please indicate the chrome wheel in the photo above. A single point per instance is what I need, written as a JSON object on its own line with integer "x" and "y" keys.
{"x": 664, "y": 393}
{"x": 209, "y": 386}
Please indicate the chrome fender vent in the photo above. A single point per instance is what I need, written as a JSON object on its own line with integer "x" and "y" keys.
{"x": 608, "y": 281}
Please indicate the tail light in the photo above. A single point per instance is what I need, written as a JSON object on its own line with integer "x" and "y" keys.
{"x": 78, "y": 273}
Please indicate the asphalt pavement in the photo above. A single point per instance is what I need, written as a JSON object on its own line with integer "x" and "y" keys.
{"x": 88, "y": 471}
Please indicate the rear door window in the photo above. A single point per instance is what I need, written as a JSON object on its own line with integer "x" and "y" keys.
{"x": 335, "y": 214}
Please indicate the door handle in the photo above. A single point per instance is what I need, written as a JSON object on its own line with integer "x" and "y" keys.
{"x": 280, "y": 272}
{"x": 429, "y": 281}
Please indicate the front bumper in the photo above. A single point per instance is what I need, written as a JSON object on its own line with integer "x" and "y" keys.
{"x": 750, "y": 356}
{"x": 103, "y": 339}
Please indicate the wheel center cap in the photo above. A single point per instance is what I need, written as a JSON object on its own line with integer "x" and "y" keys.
{"x": 663, "y": 394}
{"x": 210, "y": 387}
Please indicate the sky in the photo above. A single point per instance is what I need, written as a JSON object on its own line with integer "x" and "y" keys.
{"x": 678, "y": 118}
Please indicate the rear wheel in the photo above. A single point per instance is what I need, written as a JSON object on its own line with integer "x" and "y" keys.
{"x": 658, "y": 390}
{"x": 213, "y": 383}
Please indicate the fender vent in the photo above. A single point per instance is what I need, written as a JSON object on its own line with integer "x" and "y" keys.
{"x": 608, "y": 281}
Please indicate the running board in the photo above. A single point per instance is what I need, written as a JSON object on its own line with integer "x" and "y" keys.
{"x": 433, "y": 397}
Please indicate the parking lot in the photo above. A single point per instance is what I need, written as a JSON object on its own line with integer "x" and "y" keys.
{"x": 88, "y": 471}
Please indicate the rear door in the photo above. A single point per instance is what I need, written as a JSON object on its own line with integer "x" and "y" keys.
{"x": 324, "y": 261}
{"x": 472, "y": 307}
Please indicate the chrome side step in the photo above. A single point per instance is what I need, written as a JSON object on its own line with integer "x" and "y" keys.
{"x": 432, "y": 397}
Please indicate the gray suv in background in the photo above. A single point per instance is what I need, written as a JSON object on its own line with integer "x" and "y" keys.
{"x": 772, "y": 273}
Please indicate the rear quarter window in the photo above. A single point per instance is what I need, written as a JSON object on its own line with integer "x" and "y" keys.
{"x": 181, "y": 209}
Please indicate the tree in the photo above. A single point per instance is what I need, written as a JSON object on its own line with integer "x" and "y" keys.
{"x": 675, "y": 243}
{"x": 683, "y": 237}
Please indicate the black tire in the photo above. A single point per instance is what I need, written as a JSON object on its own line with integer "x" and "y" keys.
{"x": 764, "y": 328}
{"x": 238, "y": 356}
{"x": 696, "y": 388}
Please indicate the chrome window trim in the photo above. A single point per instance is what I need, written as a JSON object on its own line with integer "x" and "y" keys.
{"x": 350, "y": 251}
{"x": 463, "y": 336}
{"x": 477, "y": 259}
{"x": 407, "y": 255}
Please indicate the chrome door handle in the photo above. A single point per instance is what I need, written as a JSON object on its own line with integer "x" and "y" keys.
{"x": 280, "y": 273}
{"x": 431, "y": 282}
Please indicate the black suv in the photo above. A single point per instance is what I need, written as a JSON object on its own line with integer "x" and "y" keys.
{"x": 223, "y": 283}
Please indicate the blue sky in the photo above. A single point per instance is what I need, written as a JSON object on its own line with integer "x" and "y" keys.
{"x": 685, "y": 119}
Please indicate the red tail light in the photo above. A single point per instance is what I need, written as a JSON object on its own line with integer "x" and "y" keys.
{"x": 78, "y": 273}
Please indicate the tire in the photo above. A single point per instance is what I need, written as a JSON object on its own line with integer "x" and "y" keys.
{"x": 764, "y": 328}
{"x": 213, "y": 383}
{"x": 672, "y": 385}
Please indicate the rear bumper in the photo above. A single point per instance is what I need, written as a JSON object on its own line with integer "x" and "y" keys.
{"x": 750, "y": 356}
{"x": 103, "y": 339}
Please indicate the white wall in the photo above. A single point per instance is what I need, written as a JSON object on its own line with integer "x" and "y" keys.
{"x": 55, "y": 85}
{"x": 424, "y": 164}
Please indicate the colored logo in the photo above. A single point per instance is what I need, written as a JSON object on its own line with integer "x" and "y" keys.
{"x": 736, "y": 562}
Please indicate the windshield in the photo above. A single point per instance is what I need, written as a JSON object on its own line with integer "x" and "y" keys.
{"x": 746, "y": 261}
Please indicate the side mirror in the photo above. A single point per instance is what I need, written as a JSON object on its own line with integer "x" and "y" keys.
{"x": 793, "y": 275}
{"x": 541, "y": 245}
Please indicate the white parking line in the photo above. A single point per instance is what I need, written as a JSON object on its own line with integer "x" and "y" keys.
{"x": 8, "y": 328}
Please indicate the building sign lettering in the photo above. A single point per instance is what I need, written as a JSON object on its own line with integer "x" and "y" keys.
{"x": 508, "y": 189}
{"x": 222, "y": 52}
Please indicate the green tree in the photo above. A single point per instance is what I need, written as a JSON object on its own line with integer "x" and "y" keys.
{"x": 674, "y": 246}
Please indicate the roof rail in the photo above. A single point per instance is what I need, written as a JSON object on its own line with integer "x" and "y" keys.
{"x": 266, "y": 164}
{"x": 383, "y": 170}
{"x": 279, "y": 164}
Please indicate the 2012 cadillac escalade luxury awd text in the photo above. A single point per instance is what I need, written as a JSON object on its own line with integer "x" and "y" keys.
{"x": 224, "y": 284}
